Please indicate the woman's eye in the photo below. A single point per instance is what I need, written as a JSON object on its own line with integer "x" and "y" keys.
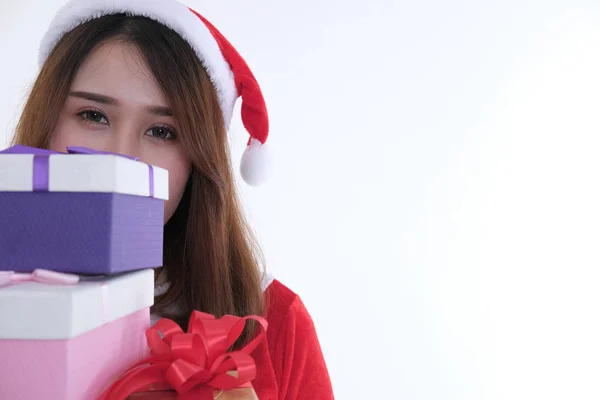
{"x": 161, "y": 132}
{"x": 93, "y": 116}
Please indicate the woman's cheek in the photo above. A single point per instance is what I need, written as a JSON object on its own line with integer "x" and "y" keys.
{"x": 178, "y": 178}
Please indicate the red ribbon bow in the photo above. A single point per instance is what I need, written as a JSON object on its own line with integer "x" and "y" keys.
{"x": 193, "y": 363}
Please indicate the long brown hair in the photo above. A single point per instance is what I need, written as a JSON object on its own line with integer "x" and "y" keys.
{"x": 210, "y": 256}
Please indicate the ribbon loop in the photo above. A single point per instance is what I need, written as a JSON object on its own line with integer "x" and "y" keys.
{"x": 38, "y": 275}
{"x": 179, "y": 375}
{"x": 87, "y": 150}
{"x": 193, "y": 363}
{"x": 20, "y": 149}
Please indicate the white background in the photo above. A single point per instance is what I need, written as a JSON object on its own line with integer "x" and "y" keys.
{"x": 436, "y": 196}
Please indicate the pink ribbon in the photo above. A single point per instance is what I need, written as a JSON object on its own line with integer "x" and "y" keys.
{"x": 38, "y": 275}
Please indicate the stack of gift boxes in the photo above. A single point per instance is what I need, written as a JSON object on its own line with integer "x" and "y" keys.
{"x": 80, "y": 234}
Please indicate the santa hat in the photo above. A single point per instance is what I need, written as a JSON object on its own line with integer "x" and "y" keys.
{"x": 229, "y": 73}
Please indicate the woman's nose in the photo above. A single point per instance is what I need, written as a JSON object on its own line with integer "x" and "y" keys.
{"x": 125, "y": 144}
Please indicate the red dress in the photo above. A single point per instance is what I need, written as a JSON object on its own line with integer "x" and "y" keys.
{"x": 290, "y": 363}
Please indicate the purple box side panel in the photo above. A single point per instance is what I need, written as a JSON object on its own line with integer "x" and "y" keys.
{"x": 137, "y": 232}
{"x": 59, "y": 231}
{"x": 87, "y": 233}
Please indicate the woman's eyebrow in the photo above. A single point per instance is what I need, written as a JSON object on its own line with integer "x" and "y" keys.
{"x": 98, "y": 98}
{"x": 160, "y": 111}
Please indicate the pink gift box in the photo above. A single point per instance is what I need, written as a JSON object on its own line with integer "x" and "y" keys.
{"x": 69, "y": 342}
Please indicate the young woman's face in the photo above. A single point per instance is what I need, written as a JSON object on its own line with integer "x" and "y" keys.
{"x": 116, "y": 105}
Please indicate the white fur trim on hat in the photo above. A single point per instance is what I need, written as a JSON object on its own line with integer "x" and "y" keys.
{"x": 170, "y": 13}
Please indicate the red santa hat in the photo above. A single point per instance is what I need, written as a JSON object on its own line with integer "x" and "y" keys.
{"x": 231, "y": 76}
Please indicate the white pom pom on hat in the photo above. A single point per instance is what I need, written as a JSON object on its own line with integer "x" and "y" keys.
{"x": 256, "y": 162}
{"x": 231, "y": 76}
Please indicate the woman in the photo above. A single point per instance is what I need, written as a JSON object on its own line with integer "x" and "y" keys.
{"x": 155, "y": 80}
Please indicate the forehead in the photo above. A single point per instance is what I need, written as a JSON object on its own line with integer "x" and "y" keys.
{"x": 118, "y": 69}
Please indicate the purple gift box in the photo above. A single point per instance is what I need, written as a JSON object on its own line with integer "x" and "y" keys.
{"x": 84, "y": 212}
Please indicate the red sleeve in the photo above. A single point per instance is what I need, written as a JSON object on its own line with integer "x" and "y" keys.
{"x": 298, "y": 359}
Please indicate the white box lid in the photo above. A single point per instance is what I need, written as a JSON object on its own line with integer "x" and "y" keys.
{"x": 32, "y": 310}
{"x": 104, "y": 173}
